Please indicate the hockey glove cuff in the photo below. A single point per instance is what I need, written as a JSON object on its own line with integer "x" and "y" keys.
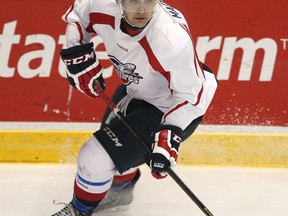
{"x": 83, "y": 68}
{"x": 165, "y": 150}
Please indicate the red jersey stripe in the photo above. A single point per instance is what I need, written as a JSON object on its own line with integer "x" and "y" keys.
{"x": 174, "y": 109}
{"x": 80, "y": 32}
{"x": 70, "y": 10}
{"x": 196, "y": 63}
{"x": 199, "y": 96}
{"x": 100, "y": 18}
{"x": 153, "y": 59}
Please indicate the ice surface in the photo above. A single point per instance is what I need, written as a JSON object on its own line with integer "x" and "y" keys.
{"x": 29, "y": 190}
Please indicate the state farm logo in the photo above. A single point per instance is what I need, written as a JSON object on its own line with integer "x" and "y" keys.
{"x": 248, "y": 47}
{"x": 50, "y": 61}
{"x": 10, "y": 63}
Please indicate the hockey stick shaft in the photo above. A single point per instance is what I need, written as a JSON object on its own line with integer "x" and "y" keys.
{"x": 173, "y": 175}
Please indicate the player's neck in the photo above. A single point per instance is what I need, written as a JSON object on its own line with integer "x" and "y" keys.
{"x": 129, "y": 29}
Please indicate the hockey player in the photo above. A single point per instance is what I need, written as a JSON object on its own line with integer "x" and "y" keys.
{"x": 166, "y": 91}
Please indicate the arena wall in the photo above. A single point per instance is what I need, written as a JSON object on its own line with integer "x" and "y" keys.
{"x": 244, "y": 43}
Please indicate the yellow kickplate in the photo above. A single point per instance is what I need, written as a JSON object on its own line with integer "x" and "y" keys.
{"x": 213, "y": 149}
{"x": 41, "y": 146}
{"x": 239, "y": 149}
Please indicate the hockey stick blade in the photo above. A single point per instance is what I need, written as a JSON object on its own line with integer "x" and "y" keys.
{"x": 125, "y": 121}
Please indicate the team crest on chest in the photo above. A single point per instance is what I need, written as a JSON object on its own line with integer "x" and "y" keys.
{"x": 126, "y": 71}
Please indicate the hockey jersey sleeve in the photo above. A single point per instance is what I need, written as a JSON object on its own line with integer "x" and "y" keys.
{"x": 77, "y": 17}
{"x": 191, "y": 85}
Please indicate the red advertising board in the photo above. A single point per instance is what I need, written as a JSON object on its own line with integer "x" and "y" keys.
{"x": 244, "y": 43}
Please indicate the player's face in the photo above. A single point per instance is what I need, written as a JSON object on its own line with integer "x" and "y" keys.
{"x": 138, "y": 12}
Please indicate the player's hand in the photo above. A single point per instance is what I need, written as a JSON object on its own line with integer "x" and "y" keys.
{"x": 83, "y": 68}
{"x": 164, "y": 151}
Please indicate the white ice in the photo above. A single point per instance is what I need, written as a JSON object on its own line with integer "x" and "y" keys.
{"x": 29, "y": 190}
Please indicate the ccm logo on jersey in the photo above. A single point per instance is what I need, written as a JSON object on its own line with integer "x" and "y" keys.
{"x": 80, "y": 59}
{"x": 113, "y": 137}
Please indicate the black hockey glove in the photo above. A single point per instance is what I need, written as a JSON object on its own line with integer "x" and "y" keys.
{"x": 83, "y": 68}
{"x": 165, "y": 150}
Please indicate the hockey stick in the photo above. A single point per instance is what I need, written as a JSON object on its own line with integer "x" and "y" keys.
{"x": 124, "y": 120}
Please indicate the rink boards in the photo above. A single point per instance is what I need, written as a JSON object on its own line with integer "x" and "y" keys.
{"x": 202, "y": 148}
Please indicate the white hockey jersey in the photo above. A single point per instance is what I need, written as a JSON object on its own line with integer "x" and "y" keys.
{"x": 159, "y": 65}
